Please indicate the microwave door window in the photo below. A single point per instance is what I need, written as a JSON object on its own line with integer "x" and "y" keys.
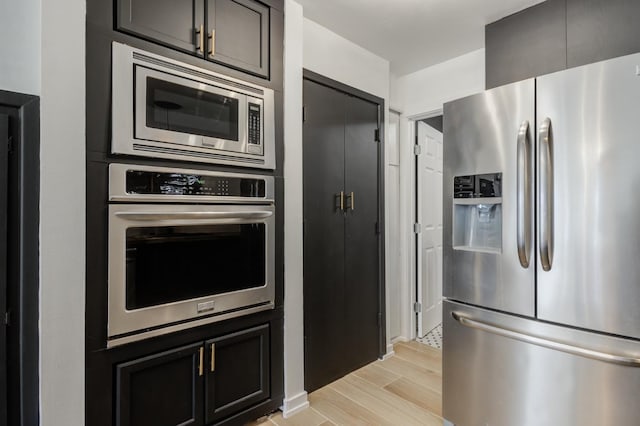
{"x": 171, "y": 264}
{"x": 187, "y": 110}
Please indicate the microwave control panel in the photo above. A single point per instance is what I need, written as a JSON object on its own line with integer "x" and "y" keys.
{"x": 159, "y": 183}
{"x": 255, "y": 124}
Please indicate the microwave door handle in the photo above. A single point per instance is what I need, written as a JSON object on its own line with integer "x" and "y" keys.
{"x": 150, "y": 216}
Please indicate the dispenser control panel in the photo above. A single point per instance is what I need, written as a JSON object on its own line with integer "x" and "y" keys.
{"x": 488, "y": 185}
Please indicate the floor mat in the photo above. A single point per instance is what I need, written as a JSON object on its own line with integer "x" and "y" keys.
{"x": 433, "y": 338}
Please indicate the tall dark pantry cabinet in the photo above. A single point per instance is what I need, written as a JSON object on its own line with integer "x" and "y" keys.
{"x": 342, "y": 232}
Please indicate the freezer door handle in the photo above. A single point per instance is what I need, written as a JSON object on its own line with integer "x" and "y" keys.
{"x": 524, "y": 195}
{"x": 545, "y": 194}
{"x": 546, "y": 343}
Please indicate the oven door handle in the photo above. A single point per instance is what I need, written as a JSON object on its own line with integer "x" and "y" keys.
{"x": 151, "y": 216}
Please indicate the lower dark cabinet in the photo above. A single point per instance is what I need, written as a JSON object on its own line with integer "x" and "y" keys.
{"x": 161, "y": 389}
{"x": 198, "y": 384}
{"x": 238, "y": 376}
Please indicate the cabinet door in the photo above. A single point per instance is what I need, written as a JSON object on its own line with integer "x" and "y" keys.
{"x": 237, "y": 372}
{"x": 175, "y": 23}
{"x": 238, "y": 34}
{"x": 526, "y": 44}
{"x": 161, "y": 389}
{"x": 324, "y": 307}
{"x": 601, "y": 29}
{"x": 361, "y": 287}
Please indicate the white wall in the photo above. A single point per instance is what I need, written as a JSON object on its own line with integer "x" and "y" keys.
{"x": 313, "y": 47}
{"x": 295, "y": 395}
{"x": 62, "y": 213}
{"x": 42, "y": 53}
{"x": 421, "y": 94}
{"x": 20, "y": 46}
{"x": 428, "y": 89}
{"x": 333, "y": 56}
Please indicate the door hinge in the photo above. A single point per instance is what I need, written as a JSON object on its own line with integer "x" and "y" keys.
{"x": 7, "y": 318}
{"x": 379, "y": 319}
{"x": 417, "y": 150}
{"x": 417, "y": 307}
{"x": 377, "y": 135}
{"x": 304, "y": 114}
{"x": 377, "y": 227}
{"x": 10, "y": 144}
{"x": 417, "y": 228}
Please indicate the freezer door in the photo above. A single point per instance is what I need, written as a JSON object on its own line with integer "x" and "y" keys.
{"x": 502, "y": 370}
{"x": 588, "y": 203}
{"x": 489, "y": 256}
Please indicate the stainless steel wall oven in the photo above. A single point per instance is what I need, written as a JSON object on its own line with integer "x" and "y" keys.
{"x": 168, "y": 109}
{"x": 186, "y": 247}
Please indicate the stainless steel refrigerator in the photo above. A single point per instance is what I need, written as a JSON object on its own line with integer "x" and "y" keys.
{"x": 541, "y": 251}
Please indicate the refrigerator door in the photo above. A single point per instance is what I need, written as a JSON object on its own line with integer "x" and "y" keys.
{"x": 588, "y": 203}
{"x": 502, "y": 370}
{"x": 490, "y": 133}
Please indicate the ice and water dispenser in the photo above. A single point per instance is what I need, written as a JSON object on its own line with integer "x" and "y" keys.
{"x": 477, "y": 213}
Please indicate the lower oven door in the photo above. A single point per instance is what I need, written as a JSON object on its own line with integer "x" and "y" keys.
{"x": 171, "y": 265}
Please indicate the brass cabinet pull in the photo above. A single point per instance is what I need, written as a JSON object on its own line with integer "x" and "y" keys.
{"x": 342, "y": 200}
{"x": 212, "y": 43}
{"x": 213, "y": 357}
{"x": 352, "y": 201}
{"x": 201, "y": 365}
{"x": 200, "y": 41}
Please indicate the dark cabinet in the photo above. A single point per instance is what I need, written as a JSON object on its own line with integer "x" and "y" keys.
{"x": 234, "y": 33}
{"x": 238, "y": 34}
{"x": 341, "y": 243}
{"x": 175, "y": 23}
{"x": 601, "y": 29}
{"x": 198, "y": 384}
{"x": 238, "y": 374}
{"x": 559, "y": 34}
{"x": 161, "y": 389}
{"x": 526, "y": 44}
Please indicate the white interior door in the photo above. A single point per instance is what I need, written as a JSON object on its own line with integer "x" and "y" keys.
{"x": 429, "y": 219}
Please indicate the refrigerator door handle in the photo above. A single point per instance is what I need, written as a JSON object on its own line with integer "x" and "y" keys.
{"x": 545, "y": 194}
{"x": 524, "y": 195}
{"x": 546, "y": 343}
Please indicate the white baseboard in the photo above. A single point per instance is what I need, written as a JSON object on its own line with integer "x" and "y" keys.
{"x": 294, "y": 405}
{"x": 399, "y": 339}
{"x": 389, "y": 353}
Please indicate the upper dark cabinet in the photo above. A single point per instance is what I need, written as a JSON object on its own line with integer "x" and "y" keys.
{"x": 239, "y": 34}
{"x": 601, "y": 29}
{"x": 234, "y": 33}
{"x": 174, "y": 23}
{"x": 526, "y": 44}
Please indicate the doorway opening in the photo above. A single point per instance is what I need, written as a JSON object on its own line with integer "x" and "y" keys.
{"x": 428, "y": 230}
{"x": 19, "y": 254}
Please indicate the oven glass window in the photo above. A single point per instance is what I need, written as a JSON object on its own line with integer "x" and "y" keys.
{"x": 174, "y": 263}
{"x": 184, "y": 109}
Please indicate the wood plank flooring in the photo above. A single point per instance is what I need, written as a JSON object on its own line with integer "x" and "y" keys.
{"x": 405, "y": 389}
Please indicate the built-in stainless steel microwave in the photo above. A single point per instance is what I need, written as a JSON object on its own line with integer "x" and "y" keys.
{"x": 168, "y": 109}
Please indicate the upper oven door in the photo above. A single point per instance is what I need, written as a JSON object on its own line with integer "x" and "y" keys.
{"x": 181, "y": 111}
{"x": 173, "y": 263}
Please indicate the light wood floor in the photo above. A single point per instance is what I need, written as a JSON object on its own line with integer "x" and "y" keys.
{"x": 405, "y": 389}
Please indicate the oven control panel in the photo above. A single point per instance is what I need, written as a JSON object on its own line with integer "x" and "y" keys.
{"x": 164, "y": 184}
{"x": 146, "y": 182}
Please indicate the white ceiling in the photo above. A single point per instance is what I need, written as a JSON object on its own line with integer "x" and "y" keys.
{"x": 412, "y": 34}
